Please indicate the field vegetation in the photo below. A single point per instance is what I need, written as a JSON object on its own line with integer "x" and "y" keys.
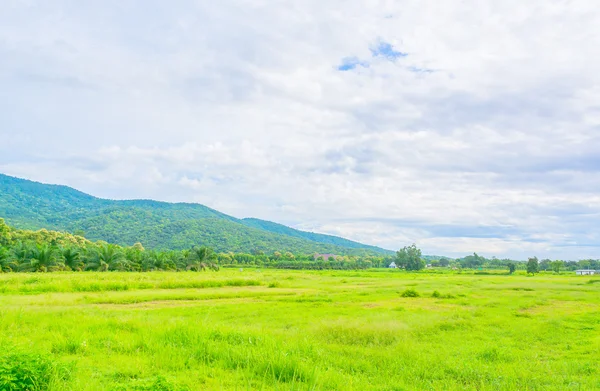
{"x": 263, "y": 329}
{"x": 83, "y": 315}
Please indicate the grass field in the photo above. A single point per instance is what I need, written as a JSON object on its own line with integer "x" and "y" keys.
{"x": 287, "y": 330}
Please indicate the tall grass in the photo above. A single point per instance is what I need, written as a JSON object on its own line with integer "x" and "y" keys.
{"x": 107, "y": 282}
{"x": 25, "y": 371}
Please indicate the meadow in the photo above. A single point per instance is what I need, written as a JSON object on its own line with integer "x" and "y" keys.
{"x": 255, "y": 329}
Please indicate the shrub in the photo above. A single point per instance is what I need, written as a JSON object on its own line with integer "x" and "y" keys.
{"x": 438, "y": 295}
{"x": 410, "y": 293}
{"x": 26, "y": 372}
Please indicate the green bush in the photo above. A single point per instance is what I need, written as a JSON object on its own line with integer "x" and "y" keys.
{"x": 438, "y": 295}
{"x": 410, "y": 293}
{"x": 26, "y": 372}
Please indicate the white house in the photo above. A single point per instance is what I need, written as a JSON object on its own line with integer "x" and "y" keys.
{"x": 392, "y": 265}
{"x": 585, "y": 272}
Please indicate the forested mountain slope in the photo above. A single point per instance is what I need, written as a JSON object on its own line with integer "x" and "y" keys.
{"x": 313, "y": 237}
{"x": 159, "y": 225}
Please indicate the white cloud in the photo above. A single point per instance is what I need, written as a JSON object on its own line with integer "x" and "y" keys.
{"x": 240, "y": 105}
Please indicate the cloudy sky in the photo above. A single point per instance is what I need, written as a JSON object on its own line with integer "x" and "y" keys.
{"x": 463, "y": 126}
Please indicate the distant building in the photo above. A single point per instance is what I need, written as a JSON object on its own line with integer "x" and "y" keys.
{"x": 585, "y": 272}
{"x": 393, "y": 265}
{"x": 326, "y": 256}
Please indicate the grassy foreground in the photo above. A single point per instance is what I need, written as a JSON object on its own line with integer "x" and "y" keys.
{"x": 298, "y": 330}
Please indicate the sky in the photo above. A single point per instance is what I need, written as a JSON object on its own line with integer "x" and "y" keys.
{"x": 461, "y": 126}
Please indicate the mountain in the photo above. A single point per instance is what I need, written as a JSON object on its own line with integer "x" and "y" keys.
{"x": 313, "y": 237}
{"x": 158, "y": 225}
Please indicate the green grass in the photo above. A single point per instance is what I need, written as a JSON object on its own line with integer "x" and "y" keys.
{"x": 294, "y": 330}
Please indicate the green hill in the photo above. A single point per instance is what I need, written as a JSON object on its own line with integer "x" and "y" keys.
{"x": 157, "y": 225}
{"x": 313, "y": 237}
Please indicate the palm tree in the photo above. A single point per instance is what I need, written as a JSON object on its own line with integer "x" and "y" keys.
{"x": 43, "y": 258}
{"x": 158, "y": 260}
{"x": 167, "y": 260}
{"x": 72, "y": 258}
{"x": 152, "y": 260}
{"x": 180, "y": 258}
{"x": 148, "y": 263}
{"x": 200, "y": 258}
{"x": 20, "y": 253}
{"x": 107, "y": 257}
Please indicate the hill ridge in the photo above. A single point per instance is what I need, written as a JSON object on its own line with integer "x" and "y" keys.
{"x": 157, "y": 224}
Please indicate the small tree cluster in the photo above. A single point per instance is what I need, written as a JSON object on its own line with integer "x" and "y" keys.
{"x": 409, "y": 258}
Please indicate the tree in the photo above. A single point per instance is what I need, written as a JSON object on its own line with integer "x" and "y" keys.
{"x": 7, "y": 263}
{"x": 409, "y": 258}
{"x": 158, "y": 260}
{"x": 472, "y": 261}
{"x": 532, "y": 265}
{"x": 557, "y": 265}
{"x": 511, "y": 267}
{"x": 545, "y": 264}
{"x": 584, "y": 264}
{"x": 43, "y": 258}
{"x": 5, "y": 235}
{"x": 201, "y": 258}
{"x": 138, "y": 247}
{"x": 20, "y": 253}
{"x": 72, "y": 258}
{"x": 107, "y": 257}
{"x": 135, "y": 256}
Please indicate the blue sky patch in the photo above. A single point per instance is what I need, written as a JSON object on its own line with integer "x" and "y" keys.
{"x": 386, "y": 50}
{"x": 350, "y": 63}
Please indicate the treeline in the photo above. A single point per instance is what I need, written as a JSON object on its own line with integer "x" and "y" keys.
{"x": 46, "y": 251}
{"x": 477, "y": 261}
{"x": 410, "y": 258}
